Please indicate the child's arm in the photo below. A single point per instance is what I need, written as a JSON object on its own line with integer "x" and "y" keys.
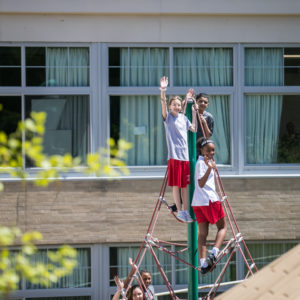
{"x": 193, "y": 127}
{"x": 120, "y": 286}
{"x": 210, "y": 165}
{"x": 206, "y": 129}
{"x": 163, "y": 88}
{"x": 131, "y": 273}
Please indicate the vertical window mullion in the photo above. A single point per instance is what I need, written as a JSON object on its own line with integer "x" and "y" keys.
{"x": 171, "y": 67}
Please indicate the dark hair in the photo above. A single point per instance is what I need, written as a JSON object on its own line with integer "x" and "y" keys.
{"x": 130, "y": 292}
{"x": 201, "y": 142}
{"x": 144, "y": 271}
{"x": 201, "y": 95}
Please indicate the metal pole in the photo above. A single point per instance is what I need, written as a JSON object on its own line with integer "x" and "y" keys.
{"x": 192, "y": 227}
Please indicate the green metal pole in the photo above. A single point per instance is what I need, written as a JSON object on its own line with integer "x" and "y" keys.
{"x": 192, "y": 228}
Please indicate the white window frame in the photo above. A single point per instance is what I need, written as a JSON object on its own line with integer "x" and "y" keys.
{"x": 263, "y": 170}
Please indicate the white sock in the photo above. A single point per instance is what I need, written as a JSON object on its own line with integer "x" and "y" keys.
{"x": 203, "y": 262}
{"x": 215, "y": 251}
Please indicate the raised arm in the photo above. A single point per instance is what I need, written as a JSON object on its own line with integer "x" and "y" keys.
{"x": 193, "y": 127}
{"x": 163, "y": 88}
{"x": 120, "y": 286}
{"x": 131, "y": 273}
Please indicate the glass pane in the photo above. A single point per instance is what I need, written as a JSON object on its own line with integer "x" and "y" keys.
{"x": 81, "y": 276}
{"x": 10, "y": 66}
{"x": 264, "y": 67}
{"x": 57, "y": 66}
{"x": 264, "y": 253}
{"x": 203, "y": 67}
{"x": 10, "y": 114}
{"x": 10, "y": 56}
{"x": 63, "y": 298}
{"x": 10, "y": 76}
{"x": 137, "y": 66}
{"x": 292, "y": 66}
{"x": 35, "y": 56}
{"x": 219, "y": 107}
{"x": 119, "y": 263}
{"x": 67, "y": 124}
{"x": 272, "y": 129}
{"x": 36, "y": 76}
{"x": 137, "y": 119}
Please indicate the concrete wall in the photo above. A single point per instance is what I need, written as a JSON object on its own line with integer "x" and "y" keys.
{"x": 120, "y": 211}
{"x": 158, "y": 21}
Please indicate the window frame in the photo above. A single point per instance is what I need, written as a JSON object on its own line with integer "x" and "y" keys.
{"x": 264, "y": 170}
{"x": 23, "y": 91}
{"x": 158, "y": 171}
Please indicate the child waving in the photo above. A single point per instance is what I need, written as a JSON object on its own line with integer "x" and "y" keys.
{"x": 176, "y": 127}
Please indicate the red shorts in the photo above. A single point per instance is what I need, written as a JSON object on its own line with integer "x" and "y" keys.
{"x": 178, "y": 173}
{"x": 211, "y": 214}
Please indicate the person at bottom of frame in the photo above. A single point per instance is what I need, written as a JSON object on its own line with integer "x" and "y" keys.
{"x": 147, "y": 279}
{"x": 206, "y": 203}
{"x": 134, "y": 293}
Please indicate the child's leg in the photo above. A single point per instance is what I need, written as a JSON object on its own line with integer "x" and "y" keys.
{"x": 202, "y": 235}
{"x": 222, "y": 229}
{"x": 184, "y": 194}
{"x": 176, "y": 197}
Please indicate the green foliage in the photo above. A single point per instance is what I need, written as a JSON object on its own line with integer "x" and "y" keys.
{"x": 107, "y": 161}
{"x": 15, "y": 265}
{"x": 27, "y": 142}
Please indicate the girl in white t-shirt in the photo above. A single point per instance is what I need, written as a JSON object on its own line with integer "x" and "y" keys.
{"x": 206, "y": 203}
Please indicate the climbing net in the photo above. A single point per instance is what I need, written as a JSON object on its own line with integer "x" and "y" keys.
{"x": 235, "y": 244}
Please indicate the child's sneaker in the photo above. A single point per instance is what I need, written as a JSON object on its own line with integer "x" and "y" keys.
{"x": 205, "y": 270}
{"x": 181, "y": 216}
{"x": 188, "y": 217}
{"x": 211, "y": 260}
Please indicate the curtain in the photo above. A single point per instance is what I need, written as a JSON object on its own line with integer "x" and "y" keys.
{"x": 140, "y": 116}
{"x": 67, "y": 66}
{"x": 148, "y": 263}
{"x": 219, "y": 107}
{"x": 263, "y": 112}
{"x": 203, "y": 67}
{"x": 75, "y": 117}
{"x": 209, "y": 67}
{"x": 81, "y": 276}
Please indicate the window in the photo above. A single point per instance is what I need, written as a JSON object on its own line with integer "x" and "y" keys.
{"x": 263, "y": 252}
{"x": 66, "y": 124}
{"x": 272, "y": 129}
{"x": 272, "y": 66}
{"x": 203, "y": 67}
{"x": 136, "y": 116}
{"x": 119, "y": 263}
{"x": 68, "y": 117}
{"x": 10, "y": 114}
{"x": 57, "y": 66}
{"x": 10, "y": 66}
{"x": 62, "y": 298}
{"x": 137, "y": 66}
{"x": 81, "y": 276}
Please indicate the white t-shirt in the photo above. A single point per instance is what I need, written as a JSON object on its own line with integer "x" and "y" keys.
{"x": 202, "y": 196}
{"x": 176, "y": 134}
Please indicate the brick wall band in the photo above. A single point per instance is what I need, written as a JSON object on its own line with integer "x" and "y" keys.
{"x": 98, "y": 211}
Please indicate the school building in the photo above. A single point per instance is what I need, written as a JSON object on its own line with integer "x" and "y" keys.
{"x": 94, "y": 67}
